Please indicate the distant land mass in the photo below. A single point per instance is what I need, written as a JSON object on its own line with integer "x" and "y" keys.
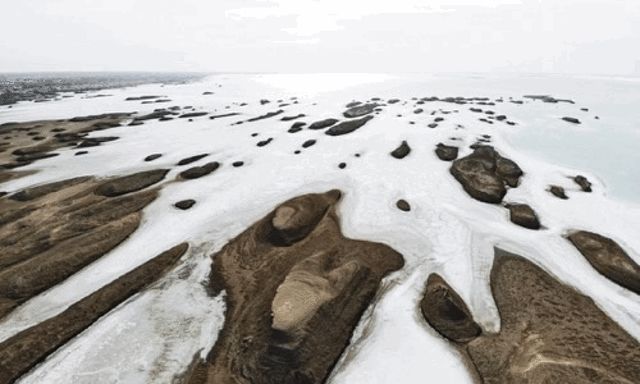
{"x": 45, "y": 86}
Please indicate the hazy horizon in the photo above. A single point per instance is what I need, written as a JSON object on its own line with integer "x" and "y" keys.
{"x": 594, "y": 37}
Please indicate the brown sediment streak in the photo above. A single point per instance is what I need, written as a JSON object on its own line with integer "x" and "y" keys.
{"x": 296, "y": 288}
{"x": 22, "y": 352}
{"x": 49, "y": 232}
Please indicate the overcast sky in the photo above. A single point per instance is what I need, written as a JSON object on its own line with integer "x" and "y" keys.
{"x": 559, "y": 36}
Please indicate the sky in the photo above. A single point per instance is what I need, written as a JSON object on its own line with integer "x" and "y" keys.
{"x": 394, "y": 36}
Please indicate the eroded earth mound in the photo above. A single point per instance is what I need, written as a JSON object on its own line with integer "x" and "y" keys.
{"x": 296, "y": 288}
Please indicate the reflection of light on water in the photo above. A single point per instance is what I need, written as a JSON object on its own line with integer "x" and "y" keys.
{"x": 315, "y": 83}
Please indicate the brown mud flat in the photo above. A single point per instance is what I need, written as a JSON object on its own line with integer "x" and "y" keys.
{"x": 296, "y": 289}
{"x": 49, "y": 232}
{"x": 25, "y": 350}
{"x": 550, "y": 333}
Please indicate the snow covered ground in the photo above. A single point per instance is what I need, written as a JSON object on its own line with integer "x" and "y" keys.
{"x": 154, "y": 336}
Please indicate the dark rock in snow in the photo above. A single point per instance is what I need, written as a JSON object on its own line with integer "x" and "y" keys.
{"x": 95, "y": 141}
{"x": 193, "y": 114}
{"x": 558, "y": 192}
{"x": 213, "y": 117}
{"x": 347, "y": 126}
{"x": 33, "y": 193}
{"x": 192, "y": 159}
{"x": 403, "y": 205}
{"x": 446, "y": 152}
{"x": 402, "y": 151}
{"x": 141, "y": 98}
{"x": 185, "y": 204}
{"x": 197, "y": 172}
{"x": 322, "y": 124}
{"x": 583, "y": 182}
{"x": 484, "y": 174}
{"x": 308, "y": 143}
{"x": 289, "y": 118}
{"x": 153, "y": 157}
{"x": 360, "y": 110}
{"x": 266, "y": 115}
{"x": 296, "y": 127}
{"x": 264, "y": 142}
{"x": 608, "y": 258}
{"x": 548, "y": 99}
{"x": 523, "y": 215}
{"x": 571, "y": 120}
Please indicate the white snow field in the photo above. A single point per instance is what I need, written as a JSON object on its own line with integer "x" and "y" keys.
{"x": 154, "y": 336}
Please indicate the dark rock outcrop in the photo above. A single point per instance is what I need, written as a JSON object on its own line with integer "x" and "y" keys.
{"x": 403, "y": 205}
{"x": 446, "y": 312}
{"x": 294, "y": 117}
{"x": 266, "y": 115}
{"x": 322, "y": 124}
{"x": 192, "y": 159}
{"x": 262, "y": 143}
{"x": 484, "y": 174}
{"x": 152, "y": 157}
{"x": 296, "y": 127}
{"x": 347, "y": 126}
{"x": 198, "y": 172}
{"x": 213, "y": 117}
{"x": 583, "y": 182}
{"x": 402, "y": 151}
{"x": 192, "y": 115}
{"x": 360, "y": 110}
{"x": 608, "y": 258}
{"x": 558, "y": 192}
{"x": 308, "y": 143}
{"x": 572, "y": 120}
{"x": 446, "y": 152}
{"x": 523, "y": 215}
{"x": 185, "y": 204}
